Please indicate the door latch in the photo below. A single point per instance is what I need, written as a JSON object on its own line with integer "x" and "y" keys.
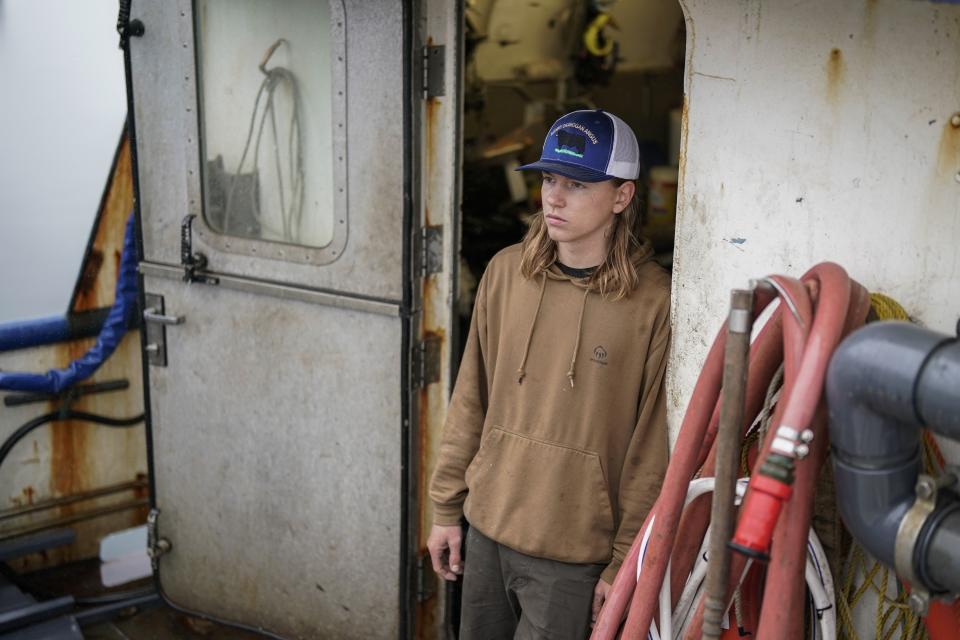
{"x": 155, "y": 323}
{"x": 194, "y": 264}
{"x": 156, "y": 546}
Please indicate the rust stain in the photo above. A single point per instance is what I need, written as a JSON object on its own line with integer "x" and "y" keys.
{"x": 86, "y": 288}
{"x": 426, "y": 618}
{"x": 69, "y": 471}
{"x": 684, "y": 137}
{"x": 870, "y": 19}
{"x": 432, "y": 117}
{"x": 68, "y": 461}
{"x": 95, "y": 287}
{"x": 948, "y": 152}
{"x": 34, "y": 457}
{"x": 836, "y": 68}
{"x": 427, "y": 612}
{"x": 684, "y": 131}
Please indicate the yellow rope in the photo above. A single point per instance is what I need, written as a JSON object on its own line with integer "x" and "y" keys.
{"x": 887, "y": 308}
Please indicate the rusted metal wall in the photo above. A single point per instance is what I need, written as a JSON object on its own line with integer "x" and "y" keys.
{"x": 98, "y": 274}
{"x": 67, "y": 457}
{"x": 816, "y": 131}
{"x": 440, "y": 207}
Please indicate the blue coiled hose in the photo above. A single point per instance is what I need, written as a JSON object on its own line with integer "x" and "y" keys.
{"x": 114, "y": 327}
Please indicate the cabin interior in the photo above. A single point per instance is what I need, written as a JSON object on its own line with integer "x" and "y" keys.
{"x": 527, "y": 63}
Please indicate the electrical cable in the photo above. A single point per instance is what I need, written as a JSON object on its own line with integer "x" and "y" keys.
{"x": 66, "y": 414}
{"x": 114, "y": 596}
{"x": 291, "y": 219}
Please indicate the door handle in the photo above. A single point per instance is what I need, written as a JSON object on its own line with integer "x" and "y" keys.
{"x": 150, "y": 314}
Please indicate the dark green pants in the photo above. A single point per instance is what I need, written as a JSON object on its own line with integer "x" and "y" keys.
{"x": 507, "y": 594}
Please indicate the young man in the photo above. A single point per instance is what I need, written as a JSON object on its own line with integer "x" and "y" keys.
{"x": 555, "y": 442}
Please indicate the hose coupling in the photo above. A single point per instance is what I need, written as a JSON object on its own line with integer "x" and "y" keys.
{"x": 767, "y": 492}
{"x": 791, "y": 442}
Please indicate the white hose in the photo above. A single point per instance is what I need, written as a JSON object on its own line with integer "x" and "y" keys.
{"x": 691, "y": 590}
{"x": 820, "y": 583}
{"x": 817, "y": 576}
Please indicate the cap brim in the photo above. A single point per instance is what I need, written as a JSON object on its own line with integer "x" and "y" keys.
{"x": 572, "y": 171}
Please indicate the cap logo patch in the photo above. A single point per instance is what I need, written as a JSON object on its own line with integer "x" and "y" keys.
{"x": 572, "y": 144}
{"x": 579, "y": 127}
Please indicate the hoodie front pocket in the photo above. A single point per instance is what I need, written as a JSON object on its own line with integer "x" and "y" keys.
{"x": 540, "y": 498}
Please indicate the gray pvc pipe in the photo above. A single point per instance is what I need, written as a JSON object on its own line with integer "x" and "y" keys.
{"x": 941, "y": 561}
{"x": 938, "y": 391}
{"x": 884, "y": 382}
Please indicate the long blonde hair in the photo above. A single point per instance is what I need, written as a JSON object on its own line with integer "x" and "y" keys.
{"x": 616, "y": 276}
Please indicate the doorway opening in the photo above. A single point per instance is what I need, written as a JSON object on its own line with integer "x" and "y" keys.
{"x": 526, "y": 64}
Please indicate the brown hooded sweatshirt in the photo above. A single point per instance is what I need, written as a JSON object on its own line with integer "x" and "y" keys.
{"x": 555, "y": 442}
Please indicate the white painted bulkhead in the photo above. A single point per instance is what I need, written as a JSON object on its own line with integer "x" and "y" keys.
{"x": 816, "y": 131}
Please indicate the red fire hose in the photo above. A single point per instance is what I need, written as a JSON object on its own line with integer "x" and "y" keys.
{"x": 815, "y": 312}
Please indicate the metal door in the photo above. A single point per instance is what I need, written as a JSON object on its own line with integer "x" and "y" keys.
{"x": 279, "y": 346}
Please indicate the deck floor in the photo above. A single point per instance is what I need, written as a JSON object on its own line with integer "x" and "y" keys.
{"x": 82, "y": 580}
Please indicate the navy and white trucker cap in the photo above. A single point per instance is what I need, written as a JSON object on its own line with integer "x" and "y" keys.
{"x": 589, "y": 146}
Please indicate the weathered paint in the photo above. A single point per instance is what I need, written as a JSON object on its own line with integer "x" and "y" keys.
{"x": 439, "y": 196}
{"x": 169, "y": 155}
{"x": 68, "y": 439}
{"x": 292, "y": 434}
{"x": 98, "y": 275}
{"x": 277, "y": 463}
{"x": 948, "y": 152}
{"x": 68, "y": 457}
{"x": 835, "y": 73}
{"x": 820, "y": 132}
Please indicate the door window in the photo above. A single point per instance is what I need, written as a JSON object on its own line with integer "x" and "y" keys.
{"x": 269, "y": 113}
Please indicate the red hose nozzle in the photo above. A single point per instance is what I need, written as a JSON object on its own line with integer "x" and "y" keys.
{"x": 758, "y": 516}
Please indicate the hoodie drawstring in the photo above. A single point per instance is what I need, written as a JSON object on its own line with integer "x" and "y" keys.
{"x": 576, "y": 345}
{"x": 521, "y": 372}
{"x": 571, "y": 374}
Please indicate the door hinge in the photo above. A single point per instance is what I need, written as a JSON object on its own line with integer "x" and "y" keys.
{"x": 426, "y": 578}
{"x": 426, "y": 362}
{"x": 430, "y": 250}
{"x": 156, "y": 546}
{"x": 434, "y": 67}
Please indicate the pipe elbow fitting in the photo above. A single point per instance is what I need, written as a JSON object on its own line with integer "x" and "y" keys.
{"x": 877, "y": 399}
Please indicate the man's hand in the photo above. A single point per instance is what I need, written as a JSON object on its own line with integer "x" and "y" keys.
{"x": 445, "y": 543}
{"x": 599, "y": 595}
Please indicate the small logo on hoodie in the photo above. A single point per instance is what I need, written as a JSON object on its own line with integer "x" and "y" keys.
{"x": 600, "y": 356}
